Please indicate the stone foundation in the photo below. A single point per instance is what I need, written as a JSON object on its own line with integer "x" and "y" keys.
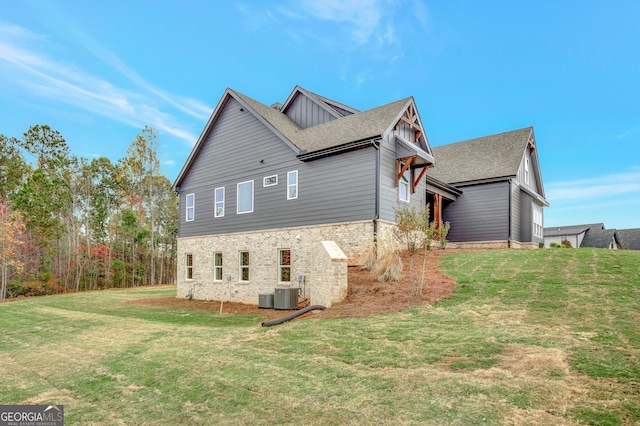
{"x": 323, "y": 274}
{"x": 492, "y": 245}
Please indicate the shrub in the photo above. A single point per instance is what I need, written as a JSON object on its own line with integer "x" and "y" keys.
{"x": 566, "y": 244}
{"x": 556, "y": 245}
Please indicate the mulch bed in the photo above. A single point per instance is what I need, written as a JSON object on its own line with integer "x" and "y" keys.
{"x": 366, "y": 295}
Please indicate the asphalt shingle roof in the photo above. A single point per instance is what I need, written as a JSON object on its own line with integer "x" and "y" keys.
{"x": 629, "y": 238}
{"x": 488, "y": 157}
{"x": 556, "y": 231}
{"x": 356, "y": 127}
{"x": 597, "y": 237}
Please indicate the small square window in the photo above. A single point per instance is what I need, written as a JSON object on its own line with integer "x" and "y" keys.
{"x": 270, "y": 181}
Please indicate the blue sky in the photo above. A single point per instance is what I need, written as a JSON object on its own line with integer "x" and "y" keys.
{"x": 98, "y": 72}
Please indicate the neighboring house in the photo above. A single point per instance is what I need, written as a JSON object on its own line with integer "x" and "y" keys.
{"x": 601, "y": 238}
{"x": 629, "y": 238}
{"x": 282, "y": 195}
{"x": 500, "y": 194}
{"x": 573, "y": 233}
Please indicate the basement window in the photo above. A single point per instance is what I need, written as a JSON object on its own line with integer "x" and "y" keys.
{"x": 188, "y": 266}
{"x": 244, "y": 266}
{"x": 217, "y": 266}
{"x": 284, "y": 266}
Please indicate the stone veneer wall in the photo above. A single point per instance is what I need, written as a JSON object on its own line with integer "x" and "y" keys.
{"x": 503, "y": 244}
{"x": 353, "y": 238}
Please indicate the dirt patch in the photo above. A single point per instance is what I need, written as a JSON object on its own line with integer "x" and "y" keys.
{"x": 366, "y": 295}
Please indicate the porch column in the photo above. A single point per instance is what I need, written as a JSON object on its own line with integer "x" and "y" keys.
{"x": 437, "y": 210}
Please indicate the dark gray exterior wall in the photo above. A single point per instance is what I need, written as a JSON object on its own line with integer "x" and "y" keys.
{"x": 388, "y": 183}
{"x": 307, "y": 113}
{"x": 526, "y": 217}
{"x": 334, "y": 189}
{"x": 516, "y": 208}
{"x": 481, "y": 213}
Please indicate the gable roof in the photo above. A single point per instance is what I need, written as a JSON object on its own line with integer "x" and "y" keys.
{"x": 488, "y": 157}
{"x": 342, "y": 134}
{"x": 629, "y": 238}
{"x": 336, "y": 109}
{"x": 558, "y": 231}
{"x": 597, "y": 237}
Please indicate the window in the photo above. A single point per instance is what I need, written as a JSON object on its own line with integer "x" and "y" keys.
{"x": 244, "y": 266}
{"x": 292, "y": 185}
{"x": 217, "y": 266}
{"x": 403, "y": 184}
{"x": 538, "y": 229}
{"x": 190, "y": 203}
{"x": 219, "y": 202}
{"x": 526, "y": 171}
{"x": 284, "y": 266}
{"x": 188, "y": 266}
{"x": 270, "y": 181}
{"x": 245, "y": 197}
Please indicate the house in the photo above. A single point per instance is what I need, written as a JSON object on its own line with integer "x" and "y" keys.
{"x": 288, "y": 195}
{"x": 575, "y": 234}
{"x": 597, "y": 237}
{"x": 629, "y": 238}
{"x": 500, "y": 195}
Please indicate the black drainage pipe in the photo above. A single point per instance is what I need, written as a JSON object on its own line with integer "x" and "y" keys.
{"x": 293, "y": 315}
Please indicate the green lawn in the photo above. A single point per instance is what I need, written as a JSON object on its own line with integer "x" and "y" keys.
{"x": 529, "y": 337}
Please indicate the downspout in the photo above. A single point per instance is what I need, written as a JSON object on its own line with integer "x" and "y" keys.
{"x": 510, "y": 216}
{"x": 376, "y": 146}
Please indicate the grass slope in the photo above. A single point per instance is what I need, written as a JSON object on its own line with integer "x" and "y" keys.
{"x": 530, "y": 337}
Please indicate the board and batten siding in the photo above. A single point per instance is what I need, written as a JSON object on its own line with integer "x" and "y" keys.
{"x": 516, "y": 207}
{"x": 481, "y": 213}
{"x": 307, "y": 113}
{"x": 240, "y": 148}
{"x": 526, "y": 217}
{"x": 389, "y": 200}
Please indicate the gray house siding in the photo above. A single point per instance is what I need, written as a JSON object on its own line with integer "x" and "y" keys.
{"x": 516, "y": 208}
{"x": 307, "y": 113}
{"x": 526, "y": 217}
{"x": 481, "y": 213}
{"x": 388, "y": 184}
{"x": 240, "y": 148}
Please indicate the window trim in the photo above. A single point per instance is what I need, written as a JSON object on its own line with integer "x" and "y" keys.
{"x": 216, "y": 267}
{"x": 289, "y": 185}
{"x": 405, "y": 180}
{"x": 283, "y": 266}
{"x": 238, "y": 197}
{"x": 188, "y": 266}
{"x": 264, "y": 181}
{"x": 192, "y": 208}
{"x": 216, "y": 202}
{"x": 241, "y": 266}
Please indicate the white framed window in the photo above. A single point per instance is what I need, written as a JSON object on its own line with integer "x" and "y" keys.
{"x": 292, "y": 185}
{"x": 526, "y": 171}
{"x": 245, "y": 197}
{"x": 219, "y": 202}
{"x": 243, "y": 272}
{"x": 190, "y": 204}
{"x": 284, "y": 266}
{"x": 269, "y": 181}
{"x": 538, "y": 227}
{"x": 188, "y": 270}
{"x": 404, "y": 185}
{"x": 217, "y": 266}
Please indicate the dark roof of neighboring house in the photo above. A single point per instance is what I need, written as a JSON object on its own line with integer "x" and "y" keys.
{"x": 489, "y": 157}
{"x": 597, "y": 237}
{"x": 629, "y": 238}
{"x": 557, "y": 231}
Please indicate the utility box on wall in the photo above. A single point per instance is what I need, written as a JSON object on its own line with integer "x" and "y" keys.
{"x": 285, "y": 298}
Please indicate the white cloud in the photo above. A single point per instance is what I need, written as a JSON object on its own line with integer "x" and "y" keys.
{"x": 601, "y": 186}
{"x": 28, "y": 65}
{"x": 362, "y": 16}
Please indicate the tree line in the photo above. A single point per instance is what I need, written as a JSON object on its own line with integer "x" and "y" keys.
{"x": 68, "y": 223}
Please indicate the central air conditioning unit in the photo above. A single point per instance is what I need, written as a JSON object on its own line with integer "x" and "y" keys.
{"x": 285, "y": 298}
{"x": 265, "y": 300}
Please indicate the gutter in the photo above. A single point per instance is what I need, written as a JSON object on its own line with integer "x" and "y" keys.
{"x": 376, "y": 146}
{"x": 510, "y": 215}
{"x": 326, "y": 152}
